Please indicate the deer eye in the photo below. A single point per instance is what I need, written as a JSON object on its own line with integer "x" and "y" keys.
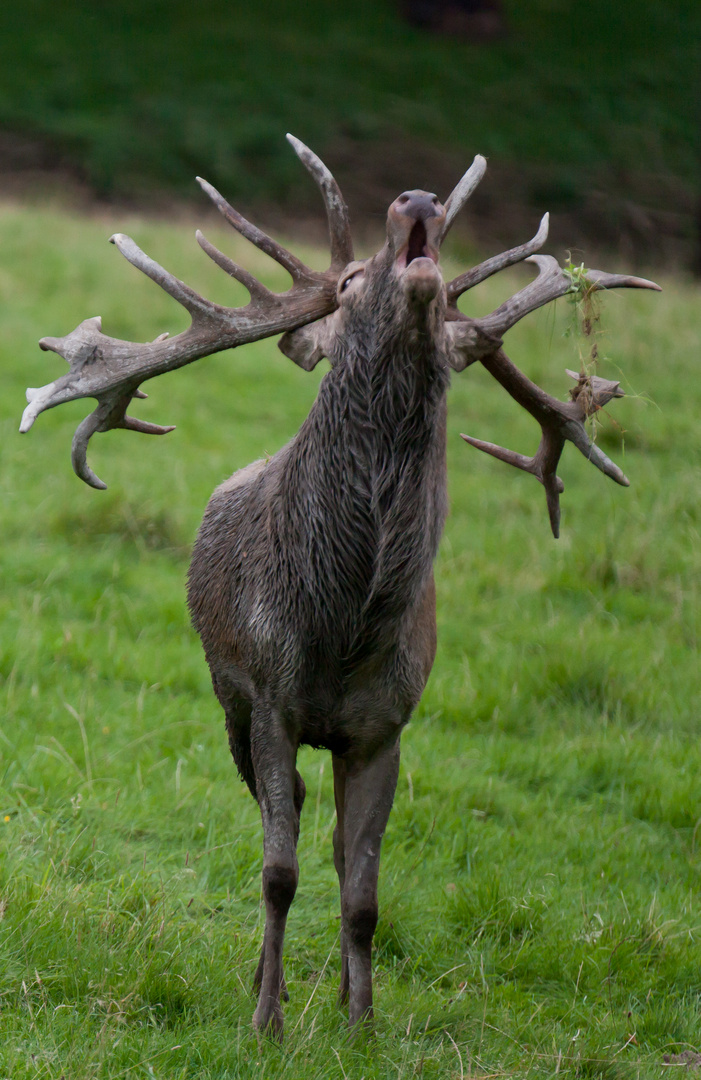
{"x": 347, "y": 280}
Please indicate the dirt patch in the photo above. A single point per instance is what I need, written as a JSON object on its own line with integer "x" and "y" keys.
{"x": 689, "y": 1058}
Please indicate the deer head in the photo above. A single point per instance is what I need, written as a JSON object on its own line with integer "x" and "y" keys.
{"x": 396, "y": 291}
{"x": 400, "y": 290}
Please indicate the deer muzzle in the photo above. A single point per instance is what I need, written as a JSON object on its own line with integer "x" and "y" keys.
{"x": 414, "y": 225}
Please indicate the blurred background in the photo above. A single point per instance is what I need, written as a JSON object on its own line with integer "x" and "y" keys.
{"x": 588, "y": 110}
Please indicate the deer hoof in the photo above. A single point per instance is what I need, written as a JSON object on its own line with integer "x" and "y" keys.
{"x": 268, "y": 1020}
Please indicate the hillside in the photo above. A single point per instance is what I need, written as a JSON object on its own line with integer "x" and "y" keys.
{"x": 586, "y": 110}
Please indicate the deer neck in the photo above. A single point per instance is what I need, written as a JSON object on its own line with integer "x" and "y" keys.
{"x": 377, "y": 425}
{"x": 366, "y": 481}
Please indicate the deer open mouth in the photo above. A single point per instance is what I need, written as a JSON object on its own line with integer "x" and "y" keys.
{"x": 417, "y": 247}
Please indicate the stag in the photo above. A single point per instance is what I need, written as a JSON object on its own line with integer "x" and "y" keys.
{"x": 311, "y": 583}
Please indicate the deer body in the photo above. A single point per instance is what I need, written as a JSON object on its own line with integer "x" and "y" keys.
{"x": 311, "y": 586}
{"x": 311, "y": 582}
{"x": 310, "y": 569}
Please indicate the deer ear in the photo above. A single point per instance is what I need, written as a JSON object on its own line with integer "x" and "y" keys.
{"x": 466, "y": 342}
{"x": 309, "y": 344}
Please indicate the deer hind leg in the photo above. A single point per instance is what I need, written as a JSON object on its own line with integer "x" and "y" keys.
{"x": 368, "y": 794}
{"x": 280, "y": 795}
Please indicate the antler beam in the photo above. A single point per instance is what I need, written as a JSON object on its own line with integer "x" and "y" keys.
{"x": 111, "y": 370}
{"x": 551, "y": 283}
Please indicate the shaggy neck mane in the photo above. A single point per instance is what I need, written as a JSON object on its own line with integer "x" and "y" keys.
{"x": 365, "y": 495}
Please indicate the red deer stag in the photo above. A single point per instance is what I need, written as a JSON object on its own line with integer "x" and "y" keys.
{"x": 311, "y": 582}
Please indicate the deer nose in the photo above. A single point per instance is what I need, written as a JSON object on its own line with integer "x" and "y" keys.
{"x": 419, "y": 205}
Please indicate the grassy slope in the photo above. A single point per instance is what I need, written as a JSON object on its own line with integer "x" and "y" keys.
{"x": 155, "y": 91}
{"x": 541, "y": 869}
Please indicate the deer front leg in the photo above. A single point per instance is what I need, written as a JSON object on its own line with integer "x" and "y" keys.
{"x": 339, "y": 860}
{"x": 299, "y": 797}
{"x": 368, "y": 795}
{"x": 273, "y": 755}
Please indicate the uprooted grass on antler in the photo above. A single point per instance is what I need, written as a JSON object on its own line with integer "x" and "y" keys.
{"x": 586, "y": 327}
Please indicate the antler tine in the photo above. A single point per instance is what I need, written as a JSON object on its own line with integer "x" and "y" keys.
{"x": 181, "y": 292}
{"x": 511, "y": 457}
{"x": 257, "y": 291}
{"x": 462, "y": 191}
{"x": 542, "y": 465}
{"x": 78, "y": 350}
{"x": 601, "y": 280}
{"x": 79, "y": 448}
{"x": 108, "y": 415}
{"x": 336, "y": 210}
{"x": 470, "y": 278}
{"x": 294, "y": 266}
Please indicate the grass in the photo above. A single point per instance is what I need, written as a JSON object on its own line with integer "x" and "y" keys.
{"x": 576, "y": 97}
{"x": 540, "y": 882}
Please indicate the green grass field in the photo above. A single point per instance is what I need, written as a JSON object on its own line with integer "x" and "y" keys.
{"x": 540, "y": 908}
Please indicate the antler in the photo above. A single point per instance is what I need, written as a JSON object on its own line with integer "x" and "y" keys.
{"x": 559, "y": 421}
{"x": 111, "y": 370}
{"x": 480, "y": 339}
{"x": 462, "y": 191}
